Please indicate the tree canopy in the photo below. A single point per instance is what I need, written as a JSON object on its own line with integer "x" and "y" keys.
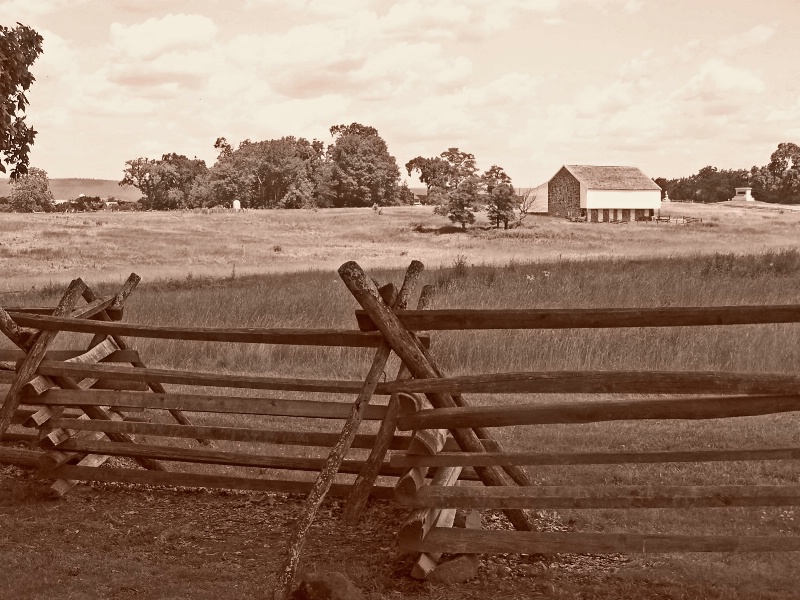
{"x": 455, "y": 187}
{"x": 355, "y": 170}
{"x": 19, "y": 48}
{"x": 31, "y": 192}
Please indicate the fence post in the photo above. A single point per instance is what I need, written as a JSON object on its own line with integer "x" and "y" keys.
{"x": 405, "y": 346}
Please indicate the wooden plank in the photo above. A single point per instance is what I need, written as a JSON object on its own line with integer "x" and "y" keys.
{"x": 427, "y": 562}
{"x": 425, "y": 442}
{"x": 91, "y": 356}
{"x": 121, "y": 356}
{"x": 174, "y": 478}
{"x": 113, "y": 312}
{"x": 297, "y": 337}
{"x": 592, "y": 497}
{"x": 55, "y": 368}
{"x": 20, "y": 457}
{"x": 457, "y": 540}
{"x": 20, "y": 337}
{"x": 406, "y": 347}
{"x": 31, "y": 417}
{"x": 213, "y": 457}
{"x": 18, "y": 437}
{"x": 203, "y": 403}
{"x": 422, "y": 520}
{"x": 583, "y": 318}
{"x": 233, "y": 434}
{"x": 486, "y": 459}
{"x": 116, "y": 384}
{"x": 35, "y": 356}
{"x": 62, "y": 486}
{"x": 592, "y": 412}
{"x": 604, "y": 382}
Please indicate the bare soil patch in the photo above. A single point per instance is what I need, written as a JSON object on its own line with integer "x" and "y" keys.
{"x": 140, "y": 543}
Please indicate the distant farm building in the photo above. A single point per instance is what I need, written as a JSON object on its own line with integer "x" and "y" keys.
{"x": 602, "y": 194}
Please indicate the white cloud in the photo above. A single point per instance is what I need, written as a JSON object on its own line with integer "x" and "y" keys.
{"x": 156, "y": 36}
{"x": 717, "y": 78}
{"x": 22, "y": 9}
{"x": 738, "y": 42}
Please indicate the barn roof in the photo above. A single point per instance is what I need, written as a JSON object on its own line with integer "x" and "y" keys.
{"x": 612, "y": 178}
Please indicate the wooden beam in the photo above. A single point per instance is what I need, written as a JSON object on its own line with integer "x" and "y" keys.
{"x": 527, "y": 542}
{"x": 174, "y": 478}
{"x": 287, "y": 407}
{"x": 212, "y": 457}
{"x": 587, "y": 318}
{"x": 55, "y": 368}
{"x": 19, "y": 457}
{"x": 486, "y": 459}
{"x": 594, "y": 412}
{"x": 593, "y": 497}
{"x": 233, "y": 434}
{"x": 297, "y": 337}
{"x": 118, "y": 356}
{"x": 604, "y": 382}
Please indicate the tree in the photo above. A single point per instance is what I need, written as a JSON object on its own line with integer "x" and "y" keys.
{"x": 526, "y": 202}
{"x": 779, "y": 181}
{"x": 363, "y": 172}
{"x": 167, "y": 183}
{"x": 19, "y": 48}
{"x": 444, "y": 173}
{"x": 146, "y": 175}
{"x": 31, "y": 192}
{"x": 283, "y": 173}
{"x": 433, "y": 172}
{"x": 500, "y": 195}
{"x": 459, "y": 200}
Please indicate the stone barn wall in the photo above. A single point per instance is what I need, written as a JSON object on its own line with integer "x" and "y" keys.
{"x": 564, "y": 194}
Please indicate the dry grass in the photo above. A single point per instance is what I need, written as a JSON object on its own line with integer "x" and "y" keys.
{"x": 498, "y": 278}
{"x": 42, "y": 248}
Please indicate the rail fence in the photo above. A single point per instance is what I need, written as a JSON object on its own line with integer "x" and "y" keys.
{"x": 430, "y": 450}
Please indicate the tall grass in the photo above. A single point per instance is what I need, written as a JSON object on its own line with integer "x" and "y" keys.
{"x": 319, "y": 299}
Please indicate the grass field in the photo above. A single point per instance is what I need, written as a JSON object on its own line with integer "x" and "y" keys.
{"x": 42, "y": 248}
{"x": 740, "y": 259}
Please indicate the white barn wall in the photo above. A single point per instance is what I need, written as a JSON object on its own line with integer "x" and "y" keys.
{"x": 620, "y": 199}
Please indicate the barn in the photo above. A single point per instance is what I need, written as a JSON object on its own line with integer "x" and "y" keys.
{"x": 602, "y": 194}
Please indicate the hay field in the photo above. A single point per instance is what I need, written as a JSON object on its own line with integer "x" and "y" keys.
{"x": 42, "y": 248}
{"x": 741, "y": 259}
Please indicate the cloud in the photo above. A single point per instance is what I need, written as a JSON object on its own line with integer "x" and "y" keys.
{"x": 717, "y": 78}
{"x": 25, "y": 8}
{"x": 756, "y": 36}
{"x": 156, "y": 36}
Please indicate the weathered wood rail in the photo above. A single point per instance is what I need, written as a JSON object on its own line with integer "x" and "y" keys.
{"x": 433, "y": 452}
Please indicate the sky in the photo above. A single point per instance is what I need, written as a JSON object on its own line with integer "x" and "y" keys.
{"x": 669, "y": 86}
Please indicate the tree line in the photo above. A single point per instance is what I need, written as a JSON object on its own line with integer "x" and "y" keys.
{"x": 777, "y": 182}
{"x": 356, "y": 169}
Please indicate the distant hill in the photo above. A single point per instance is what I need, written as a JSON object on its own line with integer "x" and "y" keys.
{"x": 71, "y": 188}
